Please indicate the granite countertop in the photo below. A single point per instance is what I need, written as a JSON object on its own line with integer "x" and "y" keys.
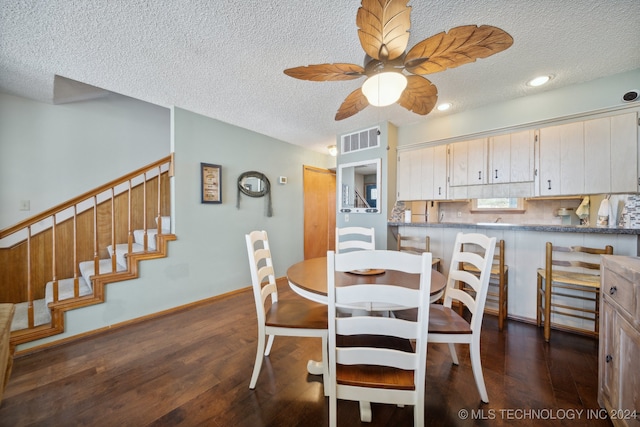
{"x": 520, "y": 227}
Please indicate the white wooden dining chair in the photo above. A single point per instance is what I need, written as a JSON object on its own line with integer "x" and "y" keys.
{"x": 445, "y": 324}
{"x": 355, "y": 238}
{"x": 372, "y": 358}
{"x": 285, "y": 317}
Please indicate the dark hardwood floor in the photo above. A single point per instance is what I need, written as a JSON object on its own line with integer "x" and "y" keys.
{"x": 193, "y": 367}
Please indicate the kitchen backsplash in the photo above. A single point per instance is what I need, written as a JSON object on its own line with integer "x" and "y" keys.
{"x": 537, "y": 211}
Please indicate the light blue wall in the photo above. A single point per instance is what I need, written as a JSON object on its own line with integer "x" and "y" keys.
{"x": 52, "y": 153}
{"x": 599, "y": 94}
{"x": 209, "y": 258}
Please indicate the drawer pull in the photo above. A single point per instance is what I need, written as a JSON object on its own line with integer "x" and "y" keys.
{"x": 608, "y": 358}
{"x": 613, "y": 290}
{"x": 549, "y": 181}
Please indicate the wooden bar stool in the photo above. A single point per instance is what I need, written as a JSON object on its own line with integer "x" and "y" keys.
{"x": 572, "y": 276}
{"x": 418, "y": 245}
{"x": 498, "y": 285}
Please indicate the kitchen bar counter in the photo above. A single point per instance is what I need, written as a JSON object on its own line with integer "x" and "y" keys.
{"x": 520, "y": 227}
{"x": 524, "y": 252}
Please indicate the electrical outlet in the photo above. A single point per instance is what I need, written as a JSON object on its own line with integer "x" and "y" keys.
{"x": 346, "y": 217}
{"x": 25, "y": 205}
{"x": 459, "y": 214}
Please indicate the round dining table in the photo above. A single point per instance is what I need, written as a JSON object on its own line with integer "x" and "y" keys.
{"x": 308, "y": 278}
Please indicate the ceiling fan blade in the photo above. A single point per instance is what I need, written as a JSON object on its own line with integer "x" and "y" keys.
{"x": 420, "y": 95}
{"x": 461, "y": 45}
{"x": 326, "y": 72}
{"x": 384, "y": 27}
{"x": 354, "y": 103}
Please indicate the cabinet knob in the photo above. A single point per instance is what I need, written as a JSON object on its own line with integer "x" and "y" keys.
{"x": 608, "y": 358}
{"x": 613, "y": 290}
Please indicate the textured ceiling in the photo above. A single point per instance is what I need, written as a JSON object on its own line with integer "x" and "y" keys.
{"x": 224, "y": 59}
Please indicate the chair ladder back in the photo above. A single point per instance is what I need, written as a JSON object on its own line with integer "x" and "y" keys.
{"x": 576, "y": 279}
{"x": 414, "y": 244}
{"x": 480, "y": 259}
{"x": 381, "y": 343}
{"x": 362, "y": 238}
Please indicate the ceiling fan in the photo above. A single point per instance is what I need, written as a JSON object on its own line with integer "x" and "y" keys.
{"x": 383, "y": 29}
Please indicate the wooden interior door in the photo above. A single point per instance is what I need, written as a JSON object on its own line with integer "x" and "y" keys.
{"x": 319, "y": 211}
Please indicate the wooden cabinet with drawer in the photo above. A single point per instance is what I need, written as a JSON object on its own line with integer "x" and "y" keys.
{"x": 619, "y": 352}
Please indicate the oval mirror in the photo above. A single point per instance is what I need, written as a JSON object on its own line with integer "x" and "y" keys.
{"x": 253, "y": 184}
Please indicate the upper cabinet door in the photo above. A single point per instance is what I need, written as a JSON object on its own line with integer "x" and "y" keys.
{"x": 469, "y": 162}
{"x": 572, "y": 158}
{"x": 459, "y": 163}
{"x": 511, "y": 157}
{"x": 477, "y": 161}
{"x": 434, "y": 173}
{"x": 549, "y": 168}
{"x": 624, "y": 153}
{"x": 427, "y": 173}
{"x": 500, "y": 159}
{"x": 409, "y": 175}
{"x": 415, "y": 165}
{"x": 611, "y": 154}
{"x": 597, "y": 158}
{"x": 440, "y": 172}
{"x": 522, "y": 158}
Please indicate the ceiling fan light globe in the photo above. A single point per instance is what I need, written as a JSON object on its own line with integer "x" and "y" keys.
{"x": 384, "y": 89}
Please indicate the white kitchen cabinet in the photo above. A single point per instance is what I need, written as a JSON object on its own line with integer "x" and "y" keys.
{"x": 511, "y": 157}
{"x": 561, "y": 160}
{"x": 434, "y": 173}
{"x": 624, "y": 153}
{"x": 611, "y": 154}
{"x": 468, "y": 162}
{"x": 409, "y": 176}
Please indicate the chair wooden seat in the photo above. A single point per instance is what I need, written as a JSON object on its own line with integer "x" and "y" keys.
{"x": 444, "y": 320}
{"x": 577, "y": 279}
{"x": 301, "y": 313}
{"x": 375, "y": 376}
{"x": 569, "y": 285}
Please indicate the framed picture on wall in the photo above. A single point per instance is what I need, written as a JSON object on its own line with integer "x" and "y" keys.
{"x": 211, "y": 177}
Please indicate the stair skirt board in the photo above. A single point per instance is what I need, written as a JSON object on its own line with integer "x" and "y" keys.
{"x": 121, "y": 253}
{"x": 41, "y": 312}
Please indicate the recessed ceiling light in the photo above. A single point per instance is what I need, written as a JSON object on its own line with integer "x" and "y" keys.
{"x": 444, "y": 106}
{"x": 538, "y": 81}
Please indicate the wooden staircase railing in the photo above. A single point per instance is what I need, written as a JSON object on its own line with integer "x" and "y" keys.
{"x": 50, "y": 246}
